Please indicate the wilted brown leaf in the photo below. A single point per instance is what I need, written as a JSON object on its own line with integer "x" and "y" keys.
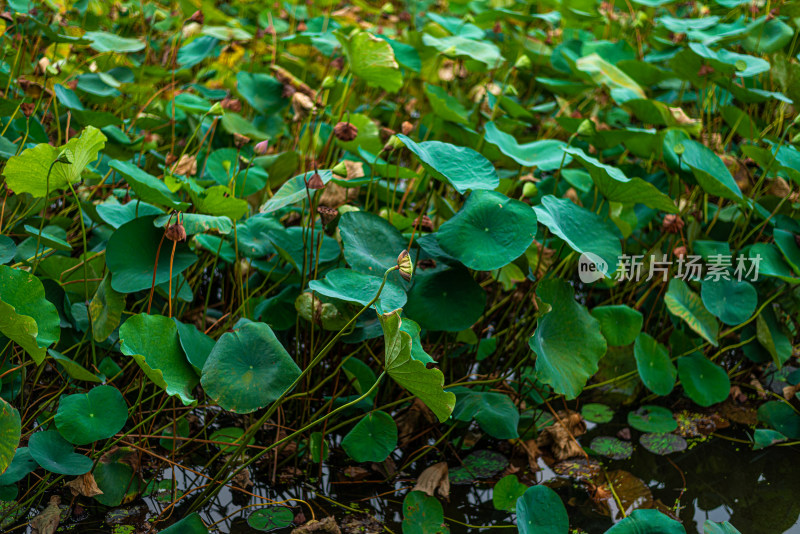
{"x": 84, "y": 485}
{"x": 434, "y": 479}
{"x": 327, "y": 525}
{"x": 47, "y": 521}
{"x": 560, "y": 436}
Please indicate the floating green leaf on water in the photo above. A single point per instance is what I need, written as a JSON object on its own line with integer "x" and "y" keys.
{"x": 56, "y": 455}
{"x": 478, "y": 465}
{"x": 540, "y": 509}
{"x": 647, "y": 522}
{"x": 372, "y": 439}
{"x": 597, "y": 413}
{"x": 652, "y": 419}
{"x": 612, "y": 448}
{"x": 506, "y": 493}
{"x": 96, "y": 415}
{"x": 663, "y": 443}
{"x": 271, "y": 518}
{"x": 423, "y": 514}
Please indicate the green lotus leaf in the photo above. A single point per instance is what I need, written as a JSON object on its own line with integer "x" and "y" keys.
{"x": 507, "y": 492}
{"x": 449, "y": 300}
{"x": 111, "y": 42}
{"x": 271, "y": 518}
{"x": 540, "y": 510}
{"x": 293, "y": 191}
{"x": 617, "y": 187}
{"x": 780, "y": 416}
{"x": 732, "y": 301}
{"x": 478, "y": 465}
{"x": 371, "y": 244}
{"x": 685, "y": 304}
{"x": 152, "y": 340}
{"x": 147, "y": 187}
{"x": 745, "y": 66}
{"x": 612, "y": 448}
{"x": 73, "y": 368}
{"x": 704, "y": 381}
{"x": 663, "y": 443}
{"x": 352, "y": 286}
{"x": 461, "y": 167}
{"x": 10, "y": 433}
{"x": 709, "y": 170}
{"x": 372, "y": 59}
{"x": 49, "y": 236}
{"x": 26, "y": 316}
{"x": 765, "y": 437}
{"x": 105, "y": 310}
{"x": 544, "y": 154}
{"x": 597, "y": 413}
{"x": 84, "y": 418}
{"x": 620, "y": 324}
{"x": 652, "y": 419}
{"x": 261, "y": 91}
{"x": 197, "y": 223}
{"x": 604, "y": 73}
{"x": 219, "y": 202}
{"x": 771, "y": 336}
{"x": 191, "y": 524}
{"x": 495, "y": 412}
{"x": 459, "y": 46}
{"x": 27, "y": 172}
{"x": 647, "y": 522}
{"x": 788, "y": 246}
{"x": 423, "y": 514}
{"x": 56, "y": 455}
{"x": 372, "y": 439}
{"x": 8, "y": 249}
{"x": 447, "y": 107}
{"x": 196, "y": 345}
{"x": 115, "y": 478}
{"x": 567, "y": 340}
{"x": 248, "y": 369}
{"x": 654, "y": 365}
{"x": 131, "y": 256}
{"x": 582, "y": 230}
{"x": 196, "y": 51}
{"x": 22, "y": 464}
{"x": 412, "y": 374}
{"x": 489, "y": 231}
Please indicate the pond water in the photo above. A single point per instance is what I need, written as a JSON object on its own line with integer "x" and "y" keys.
{"x": 757, "y": 491}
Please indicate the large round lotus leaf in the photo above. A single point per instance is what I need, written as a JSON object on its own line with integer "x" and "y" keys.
{"x": 461, "y": 167}
{"x": 654, "y": 365}
{"x": 372, "y": 439}
{"x": 495, "y": 412}
{"x": 652, "y": 419}
{"x": 248, "y": 368}
{"x": 479, "y": 464}
{"x": 685, "y": 304}
{"x": 582, "y": 230}
{"x": 490, "y": 231}
{"x": 152, "y": 340}
{"x": 506, "y": 493}
{"x": 352, "y": 286}
{"x": 271, "y": 518}
{"x": 732, "y": 301}
{"x": 663, "y": 443}
{"x": 567, "y": 340}
{"x": 371, "y": 243}
{"x": 620, "y": 324}
{"x": 84, "y": 418}
{"x": 191, "y": 524}
{"x": 610, "y": 447}
{"x": 597, "y": 413}
{"x": 56, "y": 455}
{"x": 704, "y": 381}
{"x": 22, "y": 464}
{"x": 780, "y": 416}
{"x": 544, "y": 154}
{"x": 647, "y": 521}
{"x": 10, "y": 431}
{"x": 541, "y": 511}
{"x": 449, "y": 300}
{"x": 26, "y": 316}
{"x": 423, "y": 514}
{"x": 131, "y": 256}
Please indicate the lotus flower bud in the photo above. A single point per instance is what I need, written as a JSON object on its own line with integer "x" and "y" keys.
{"x": 344, "y": 131}
{"x": 405, "y": 265}
{"x": 261, "y": 148}
{"x": 340, "y": 169}
{"x": 529, "y": 189}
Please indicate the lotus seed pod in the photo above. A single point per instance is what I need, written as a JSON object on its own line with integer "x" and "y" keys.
{"x": 344, "y": 131}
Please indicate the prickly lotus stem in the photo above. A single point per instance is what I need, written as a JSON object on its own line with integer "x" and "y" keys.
{"x": 406, "y": 267}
